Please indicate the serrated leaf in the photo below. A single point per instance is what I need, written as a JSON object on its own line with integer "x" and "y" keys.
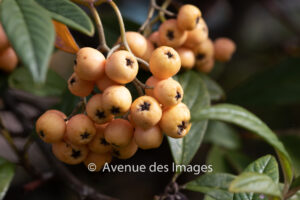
{"x": 64, "y": 39}
{"x": 196, "y": 97}
{"x": 215, "y": 91}
{"x": 22, "y": 80}
{"x": 243, "y": 118}
{"x": 222, "y": 134}
{"x": 249, "y": 182}
{"x": 7, "y": 171}
{"x": 31, "y": 33}
{"x": 69, "y": 14}
{"x": 214, "y": 185}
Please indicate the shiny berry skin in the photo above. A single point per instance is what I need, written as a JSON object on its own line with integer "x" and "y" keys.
{"x": 80, "y": 130}
{"x": 164, "y": 62}
{"x": 121, "y": 67}
{"x": 79, "y": 87}
{"x": 89, "y": 64}
{"x": 95, "y": 110}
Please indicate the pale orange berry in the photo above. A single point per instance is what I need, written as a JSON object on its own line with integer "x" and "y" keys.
{"x": 188, "y": 17}
{"x": 170, "y": 35}
{"x": 79, "y": 87}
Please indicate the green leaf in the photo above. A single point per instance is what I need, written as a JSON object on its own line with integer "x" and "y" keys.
{"x": 279, "y": 85}
{"x": 255, "y": 182}
{"x": 214, "y": 185}
{"x": 243, "y": 118}
{"x": 265, "y": 165}
{"x": 22, "y": 80}
{"x": 215, "y": 91}
{"x": 7, "y": 171}
{"x": 222, "y": 134}
{"x": 31, "y": 34}
{"x": 196, "y": 97}
{"x": 69, "y": 14}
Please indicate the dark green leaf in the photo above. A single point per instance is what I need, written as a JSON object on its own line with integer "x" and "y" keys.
{"x": 255, "y": 182}
{"x": 214, "y": 185}
{"x": 222, "y": 134}
{"x": 69, "y": 14}
{"x": 277, "y": 86}
{"x": 196, "y": 97}
{"x": 31, "y": 34}
{"x": 215, "y": 91}
{"x": 7, "y": 171}
{"x": 22, "y": 80}
{"x": 265, "y": 165}
{"x": 243, "y": 118}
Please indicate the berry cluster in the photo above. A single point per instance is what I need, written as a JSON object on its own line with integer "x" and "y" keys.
{"x": 188, "y": 34}
{"x": 114, "y": 125}
{"x": 8, "y": 57}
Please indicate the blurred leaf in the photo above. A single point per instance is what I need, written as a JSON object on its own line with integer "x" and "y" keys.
{"x": 22, "y": 80}
{"x": 215, "y": 91}
{"x": 291, "y": 142}
{"x": 237, "y": 160}
{"x": 69, "y": 14}
{"x": 222, "y": 134}
{"x": 31, "y": 34}
{"x": 243, "y": 118}
{"x": 265, "y": 165}
{"x": 255, "y": 182}
{"x": 64, "y": 39}
{"x": 7, "y": 172}
{"x": 196, "y": 97}
{"x": 214, "y": 185}
{"x": 216, "y": 158}
{"x": 277, "y": 86}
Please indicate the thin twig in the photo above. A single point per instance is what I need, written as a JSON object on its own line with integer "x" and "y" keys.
{"x": 142, "y": 85}
{"x": 291, "y": 193}
{"x": 150, "y": 15}
{"x": 112, "y": 50}
{"x": 102, "y": 41}
{"x": 79, "y": 106}
{"x": 121, "y": 24}
{"x": 138, "y": 88}
{"x": 164, "y": 7}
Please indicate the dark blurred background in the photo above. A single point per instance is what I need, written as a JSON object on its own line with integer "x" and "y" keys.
{"x": 263, "y": 76}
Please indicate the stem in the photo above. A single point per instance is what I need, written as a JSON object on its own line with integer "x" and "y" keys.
{"x": 145, "y": 63}
{"x": 138, "y": 88}
{"x": 291, "y": 193}
{"x": 150, "y": 15}
{"x": 142, "y": 85}
{"x": 164, "y": 7}
{"x": 112, "y": 50}
{"x": 79, "y": 105}
{"x": 102, "y": 41}
{"x": 121, "y": 23}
